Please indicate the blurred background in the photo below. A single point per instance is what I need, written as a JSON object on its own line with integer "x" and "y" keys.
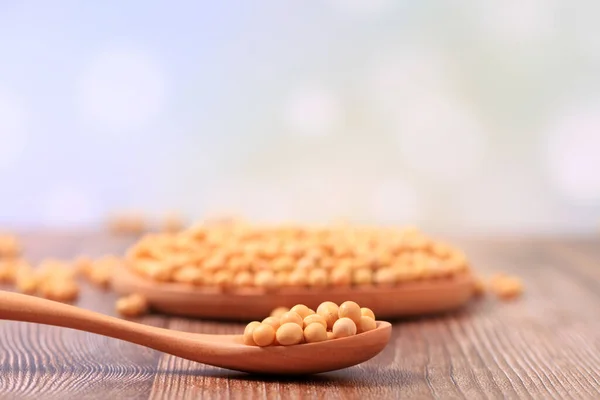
{"x": 463, "y": 116}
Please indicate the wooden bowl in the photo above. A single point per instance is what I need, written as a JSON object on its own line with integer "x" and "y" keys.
{"x": 408, "y": 299}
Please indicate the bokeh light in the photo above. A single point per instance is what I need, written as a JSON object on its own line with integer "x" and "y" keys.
{"x": 121, "y": 91}
{"x": 66, "y": 205}
{"x": 573, "y": 153}
{"x": 13, "y": 130}
{"x": 473, "y": 116}
{"x": 312, "y": 111}
{"x": 440, "y": 140}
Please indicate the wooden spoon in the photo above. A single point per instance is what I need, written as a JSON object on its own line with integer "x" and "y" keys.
{"x": 226, "y": 351}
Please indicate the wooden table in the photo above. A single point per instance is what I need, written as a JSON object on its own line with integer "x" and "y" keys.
{"x": 544, "y": 345}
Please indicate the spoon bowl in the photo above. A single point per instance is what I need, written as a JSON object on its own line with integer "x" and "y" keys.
{"x": 226, "y": 351}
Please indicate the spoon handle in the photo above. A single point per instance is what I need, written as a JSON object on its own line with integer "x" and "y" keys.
{"x": 20, "y": 307}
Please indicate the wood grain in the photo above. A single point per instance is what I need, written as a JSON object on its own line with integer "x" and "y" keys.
{"x": 544, "y": 345}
